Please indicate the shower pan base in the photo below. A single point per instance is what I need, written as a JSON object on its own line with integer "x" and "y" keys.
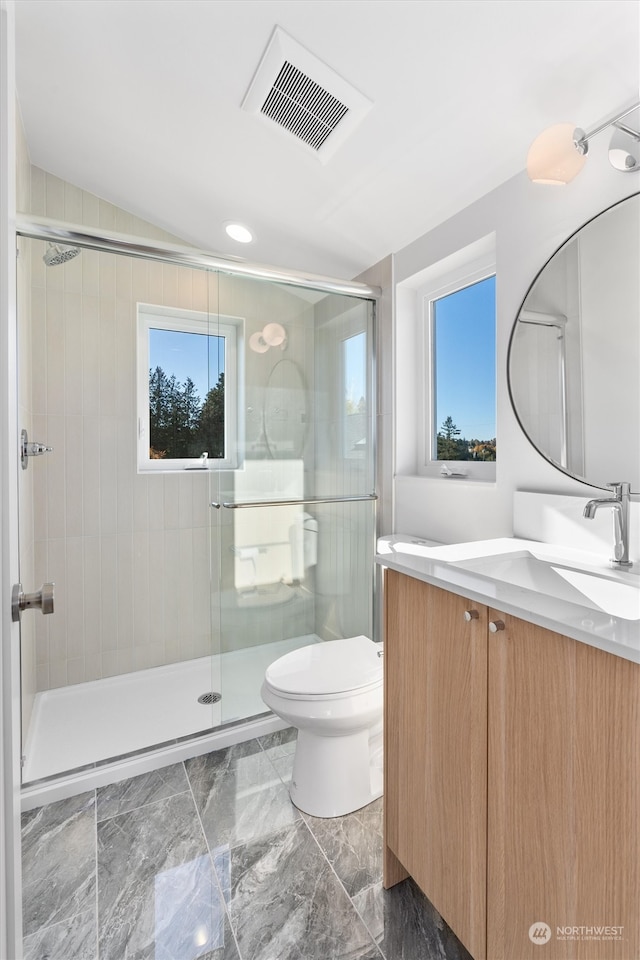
{"x": 91, "y": 723}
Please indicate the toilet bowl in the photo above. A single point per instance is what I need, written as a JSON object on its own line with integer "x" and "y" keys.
{"x": 332, "y": 693}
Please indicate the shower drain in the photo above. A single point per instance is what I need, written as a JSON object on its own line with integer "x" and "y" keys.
{"x": 208, "y": 698}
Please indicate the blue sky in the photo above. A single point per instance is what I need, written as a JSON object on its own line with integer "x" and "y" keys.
{"x": 355, "y": 367}
{"x": 185, "y": 355}
{"x": 465, "y": 351}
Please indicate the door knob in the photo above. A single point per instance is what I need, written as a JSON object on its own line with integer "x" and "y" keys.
{"x": 471, "y": 615}
{"x": 41, "y": 600}
{"x": 495, "y": 625}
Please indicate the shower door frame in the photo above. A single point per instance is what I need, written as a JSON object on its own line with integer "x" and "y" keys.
{"x": 108, "y": 241}
{"x": 111, "y": 242}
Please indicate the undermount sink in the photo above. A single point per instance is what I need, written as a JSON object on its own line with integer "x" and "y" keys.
{"x": 551, "y": 570}
{"x": 612, "y": 592}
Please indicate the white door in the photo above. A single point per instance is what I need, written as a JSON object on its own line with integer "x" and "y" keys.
{"x": 10, "y": 872}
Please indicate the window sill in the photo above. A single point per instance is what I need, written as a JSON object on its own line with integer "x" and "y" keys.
{"x": 448, "y": 481}
{"x": 150, "y": 471}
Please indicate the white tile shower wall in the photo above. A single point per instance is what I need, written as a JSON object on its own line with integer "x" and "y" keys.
{"x": 130, "y": 553}
{"x": 126, "y": 551}
{"x": 344, "y": 574}
{"x": 243, "y": 626}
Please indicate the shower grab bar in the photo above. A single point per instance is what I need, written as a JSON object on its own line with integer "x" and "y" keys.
{"x": 242, "y": 504}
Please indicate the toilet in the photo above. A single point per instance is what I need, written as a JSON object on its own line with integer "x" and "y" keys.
{"x": 332, "y": 693}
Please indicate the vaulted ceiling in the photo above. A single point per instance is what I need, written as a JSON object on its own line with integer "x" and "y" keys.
{"x": 140, "y": 102}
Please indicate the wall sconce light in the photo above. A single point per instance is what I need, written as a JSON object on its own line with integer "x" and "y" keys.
{"x": 273, "y": 335}
{"x": 559, "y": 153}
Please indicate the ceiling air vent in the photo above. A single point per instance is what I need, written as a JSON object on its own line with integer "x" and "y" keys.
{"x": 301, "y": 94}
{"x": 303, "y": 107}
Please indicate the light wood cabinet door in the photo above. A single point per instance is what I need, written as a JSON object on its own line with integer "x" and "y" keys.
{"x": 436, "y": 751}
{"x": 564, "y": 797}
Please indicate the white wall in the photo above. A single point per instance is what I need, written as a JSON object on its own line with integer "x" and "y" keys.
{"x": 381, "y": 275}
{"x": 529, "y": 222}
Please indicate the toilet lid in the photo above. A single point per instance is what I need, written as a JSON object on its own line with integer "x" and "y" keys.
{"x": 335, "y": 666}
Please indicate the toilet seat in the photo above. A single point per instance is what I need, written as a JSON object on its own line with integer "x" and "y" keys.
{"x": 333, "y": 669}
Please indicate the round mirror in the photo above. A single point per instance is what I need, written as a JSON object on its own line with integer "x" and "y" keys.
{"x": 285, "y": 411}
{"x": 574, "y": 353}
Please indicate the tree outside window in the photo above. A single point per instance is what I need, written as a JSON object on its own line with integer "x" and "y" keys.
{"x": 187, "y": 389}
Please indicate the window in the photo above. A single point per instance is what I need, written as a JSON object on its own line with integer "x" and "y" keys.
{"x": 460, "y": 337}
{"x": 187, "y": 389}
{"x": 464, "y": 373}
{"x": 355, "y": 417}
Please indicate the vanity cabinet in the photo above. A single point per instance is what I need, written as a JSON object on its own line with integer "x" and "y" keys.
{"x": 512, "y": 778}
{"x": 563, "y": 797}
{"x": 436, "y": 751}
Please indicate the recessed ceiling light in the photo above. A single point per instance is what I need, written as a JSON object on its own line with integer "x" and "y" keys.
{"x": 238, "y": 232}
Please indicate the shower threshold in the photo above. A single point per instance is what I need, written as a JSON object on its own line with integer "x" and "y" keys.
{"x": 89, "y": 723}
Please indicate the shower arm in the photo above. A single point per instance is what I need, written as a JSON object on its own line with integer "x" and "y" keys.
{"x": 242, "y": 504}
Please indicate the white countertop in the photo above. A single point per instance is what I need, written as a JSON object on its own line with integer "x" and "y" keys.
{"x": 584, "y": 621}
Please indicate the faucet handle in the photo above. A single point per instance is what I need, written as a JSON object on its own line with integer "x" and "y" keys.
{"x": 621, "y": 489}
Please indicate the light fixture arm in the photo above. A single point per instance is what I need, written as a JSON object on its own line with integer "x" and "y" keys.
{"x": 634, "y": 134}
{"x": 581, "y": 139}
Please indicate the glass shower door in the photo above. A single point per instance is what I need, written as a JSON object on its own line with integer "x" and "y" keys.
{"x": 163, "y": 389}
{"x": 114, "y": 514}
{"x": 297, "y": 511}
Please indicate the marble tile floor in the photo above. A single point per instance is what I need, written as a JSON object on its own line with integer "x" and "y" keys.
{"x": 210, "y": 860}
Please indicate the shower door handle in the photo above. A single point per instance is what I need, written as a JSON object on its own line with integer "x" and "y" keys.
{"x": 31, "y": 449}
{"x": 41, "y": 600}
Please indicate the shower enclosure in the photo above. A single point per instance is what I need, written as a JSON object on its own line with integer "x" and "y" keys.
{"x": 207, "y": 504}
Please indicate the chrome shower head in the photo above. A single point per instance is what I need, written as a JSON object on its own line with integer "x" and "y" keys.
{"x": 57, "y": 253}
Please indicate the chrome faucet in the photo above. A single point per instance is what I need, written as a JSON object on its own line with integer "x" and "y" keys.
{"x": 619, "y": 503}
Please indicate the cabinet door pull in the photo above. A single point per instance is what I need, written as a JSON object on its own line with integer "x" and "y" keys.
{"x": 495, "y": 625}
{"x": 471, "y": 615}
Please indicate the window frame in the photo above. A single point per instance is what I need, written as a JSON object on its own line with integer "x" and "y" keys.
{"x": 445, "y": 278}
{"x": 152, "y": 316}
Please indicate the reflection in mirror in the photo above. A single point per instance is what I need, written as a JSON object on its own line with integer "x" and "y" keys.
{"x": 574, "y": 355}
{"x": 285, "y": 411}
